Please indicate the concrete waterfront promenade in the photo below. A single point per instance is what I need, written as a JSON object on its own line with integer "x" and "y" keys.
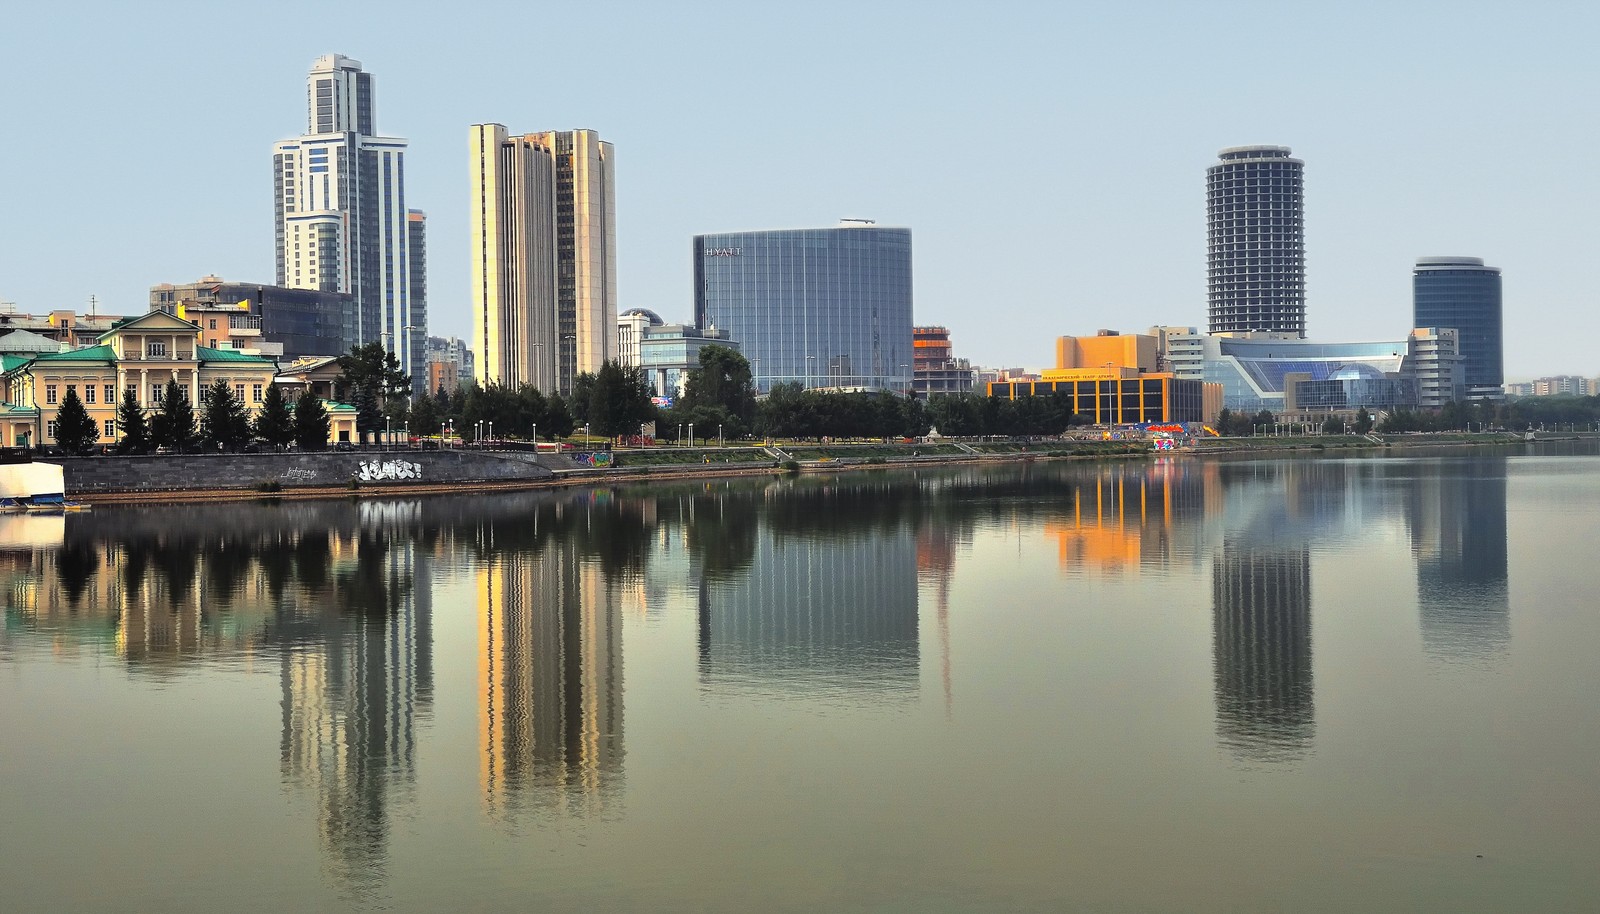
{"x": 210, "y": 477}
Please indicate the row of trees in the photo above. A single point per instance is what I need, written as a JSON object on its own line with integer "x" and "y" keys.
{"x": 719, "y": 393}
{"x": 223, "y": 423}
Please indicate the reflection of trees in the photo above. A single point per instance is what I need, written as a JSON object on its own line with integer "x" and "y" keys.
{"x": 76, "y": 565}
{"x": 725, "y": 541}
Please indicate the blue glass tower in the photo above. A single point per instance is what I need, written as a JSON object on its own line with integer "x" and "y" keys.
{"x": 827, "y": 307}
{"x": 1462, "y": 293}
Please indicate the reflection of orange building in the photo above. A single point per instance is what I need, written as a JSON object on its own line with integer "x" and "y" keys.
{"x": 1127, "y": 516}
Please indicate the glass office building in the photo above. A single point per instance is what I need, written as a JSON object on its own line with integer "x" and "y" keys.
{"x": 1356, "y": 386}
{"x": 1462, "y": 293}
{"x": 828, "y": 307}
{"x": 1253, "y": 372}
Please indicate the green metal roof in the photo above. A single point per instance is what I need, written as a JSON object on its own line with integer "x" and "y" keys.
{"x": 10, "y": 363}
{"x": 92, "y": 354}
{"x": 208, "y": 355}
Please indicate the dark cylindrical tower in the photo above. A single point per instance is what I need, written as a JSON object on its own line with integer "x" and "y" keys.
{"x": 1462, "y": 293}
{"x": 1256, "y": 254}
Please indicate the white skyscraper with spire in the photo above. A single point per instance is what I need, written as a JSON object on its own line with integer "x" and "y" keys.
{"x": 342, "y": 223}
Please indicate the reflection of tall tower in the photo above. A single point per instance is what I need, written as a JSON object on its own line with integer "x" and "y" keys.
{"x": 351, "y": 696}
{"x": 816, "y": 613}
{"x": 1261, "y": 611}
{"x": 550, "y": 679}
{"x": 1458, "y": 528}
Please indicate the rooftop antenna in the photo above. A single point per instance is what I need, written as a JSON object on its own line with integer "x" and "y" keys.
{"x": 8, "y": 307}
{"x": 94, "y": 307}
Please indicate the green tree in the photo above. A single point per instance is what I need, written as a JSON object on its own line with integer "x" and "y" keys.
{"x": 956, "y": 415}
{"x": 133, "y": 424}
{"x": 311, "y": 424}
{"x": 789, "y": 411}
{"x": 581, "y": 396}
{"x": 224, "y": 424}
{"x": 426, "y": 416}
{"x": 1363, "y": 422}
{"x": 275, "y": 423}
{"x": 558, "y": 417}
{"x": 372, "y": 364}
{"x": 173, "y": 424}
{"x": 619, "y": 400}
{"x": 722, "y": 379}
{"x": 369, "y": 409}
{"x": 75, "y": 429}
{"x": 1333, "y": 425}
{"x": 1264, "y": 421}
{"x": 532, "y": 409}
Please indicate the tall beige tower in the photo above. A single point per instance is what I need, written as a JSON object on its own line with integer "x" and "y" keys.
{"x": 544, "y": 265}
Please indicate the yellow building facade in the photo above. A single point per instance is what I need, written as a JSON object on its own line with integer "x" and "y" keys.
{"x": 141, "y": 354}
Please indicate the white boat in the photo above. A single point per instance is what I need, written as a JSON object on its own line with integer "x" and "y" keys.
{"x": 34, "y": 487}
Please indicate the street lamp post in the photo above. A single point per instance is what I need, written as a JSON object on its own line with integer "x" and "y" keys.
{"x": 809, "y": 360}
{"x": 680, "y": 434}
{"x": 691, "y": 434}
{"x": 388, "y": 432}
{"x": 491, "y": 432}
{"x": 905, "y": 382}
{"x": 719, "y": 436}
{"x": 573, "y": 339}
{"x": 535, "y": 438}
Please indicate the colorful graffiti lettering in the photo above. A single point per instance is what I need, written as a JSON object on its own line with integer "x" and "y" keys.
{"x": 593, "y": 459}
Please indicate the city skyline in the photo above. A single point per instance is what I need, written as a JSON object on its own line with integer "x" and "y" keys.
{"x": 1086, "y": 238}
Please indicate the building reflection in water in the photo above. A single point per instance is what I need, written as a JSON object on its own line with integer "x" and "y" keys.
{"x": 807, "y": 587}
{"x": 355, "y": 676}
{"x": 818, "y": 597}
{"x": 1261, "y": 618}
{"x": 1457, "y": 516}
{"x": 550, "y": 653}
{"x": 1125, "y": 516}
{"x": 1271, "y": 513}
{"x": 334, "y": 598}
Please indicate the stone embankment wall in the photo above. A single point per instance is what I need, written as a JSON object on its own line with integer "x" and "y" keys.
{"x": 85, "y": 475}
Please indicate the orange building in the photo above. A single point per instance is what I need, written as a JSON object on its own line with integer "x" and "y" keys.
{"x": 1112, "y": 378}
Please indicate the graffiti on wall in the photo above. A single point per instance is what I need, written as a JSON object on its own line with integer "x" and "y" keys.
{"x": 298, "y": 474}
{"x": 593, "y": 459}
{"x": 377, "y": 470}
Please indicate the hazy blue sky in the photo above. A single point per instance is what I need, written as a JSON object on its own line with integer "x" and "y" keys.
{"x": 1050, "y": 158}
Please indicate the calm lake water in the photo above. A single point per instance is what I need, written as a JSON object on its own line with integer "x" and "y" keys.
{"x": 1363, "y": 684}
